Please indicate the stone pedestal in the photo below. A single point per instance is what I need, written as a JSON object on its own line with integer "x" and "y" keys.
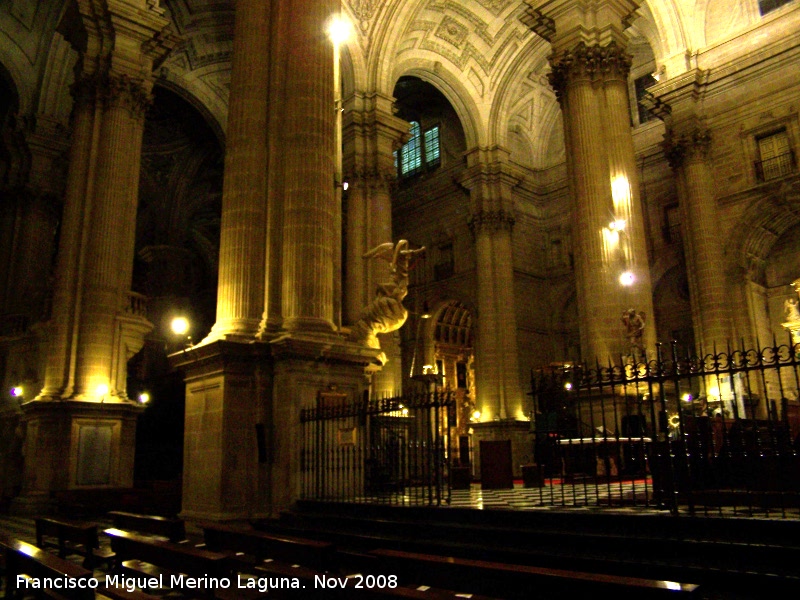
{"x": 516, "y": 431}
{"x": 77, "y": 445}
{"x": 242, "y": 436}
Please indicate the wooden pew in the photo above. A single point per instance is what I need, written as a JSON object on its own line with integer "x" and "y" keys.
{"x": 148, "y": 557}
{"x": 23, "y": 560}
{"x": 517, "y": 581}
{"x": 105, "y": 592}
{"x": 254, "y": 547}
{"x": 171, "y": 529}
{"x": 71, "y": 537}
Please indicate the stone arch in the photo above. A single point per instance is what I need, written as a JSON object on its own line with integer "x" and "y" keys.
{"x": 526, "y": 106}
{"x": 762, "y": 224}
{"x": 456, "y": 94}
{"x": 668, "y": 35}
{"x": 724, "y": 17}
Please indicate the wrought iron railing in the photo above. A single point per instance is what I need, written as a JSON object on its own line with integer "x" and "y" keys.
{"x": 716, "y": 435}
{"x": 392, "y": 450}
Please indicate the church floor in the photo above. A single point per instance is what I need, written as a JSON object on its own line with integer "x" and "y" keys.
{"x": 629, "y": 496}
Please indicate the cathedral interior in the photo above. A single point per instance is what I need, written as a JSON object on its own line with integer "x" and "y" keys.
{"x": 561, "y": 162}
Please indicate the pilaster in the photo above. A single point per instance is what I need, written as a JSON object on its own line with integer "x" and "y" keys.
{"x": 490, "y": 181}
{"x": 688, "y": 154}
{"x": 371, "y": 133}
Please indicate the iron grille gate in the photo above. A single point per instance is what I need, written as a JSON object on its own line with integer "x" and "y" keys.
{"x": 717, "y": 435}
{"x": 391, "y": 450}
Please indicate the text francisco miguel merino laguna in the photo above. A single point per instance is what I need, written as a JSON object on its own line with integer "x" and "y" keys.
{"x": 263, "y": 584}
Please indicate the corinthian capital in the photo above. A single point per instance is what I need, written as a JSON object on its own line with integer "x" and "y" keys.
{"x": 688, "y": 146}
{"x": 589, "y": 63}
{"x": 489, "y": 221}
{"x": 123, "y": 91}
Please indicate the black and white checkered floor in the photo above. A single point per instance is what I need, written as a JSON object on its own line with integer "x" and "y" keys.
{"x": 620, "y": 496}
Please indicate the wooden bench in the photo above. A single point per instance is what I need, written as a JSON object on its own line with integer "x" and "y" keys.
{"x": 171, "y": 529}
{"x": 71, "y": 537}
{"x": 516, "y": 581}
{"x": 253, "y": 547}
{"x": 26, "y": 562}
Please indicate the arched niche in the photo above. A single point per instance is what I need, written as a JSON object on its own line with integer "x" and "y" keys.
{"x": 673, "y": 312}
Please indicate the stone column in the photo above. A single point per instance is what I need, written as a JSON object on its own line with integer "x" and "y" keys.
{"x": 108, "y": 236}
{"x": 688, "y": 155}
{"x": 371, "y": 134}
{"x": 244, "y": 393}
{"x": 308, "y": 137}
{"x": 589, "y": 74}
{"x": 242, "y": 269}
{"x": 81, "y": 427}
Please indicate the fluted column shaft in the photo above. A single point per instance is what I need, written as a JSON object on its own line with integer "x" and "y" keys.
{"x": 688, "y": 155}
{"x": 241, "y": 293}
{"x": 108, "y": 264}
{"x": 59, "y": 370}
{"x": 589, "y": 74}
{"x": 626, "y": 196}
{"x": 589, "y": 177}
{"x": 310, "y": 211}
{"x": 591, "y": 85}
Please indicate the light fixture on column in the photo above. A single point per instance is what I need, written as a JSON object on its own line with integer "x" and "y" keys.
{"x": 101, "y": 391}
{"x": 627, "y": 278}
{"x": 144, "y": 398}
{"x": 180, "y": 326}
{"x": 17, "y": 392}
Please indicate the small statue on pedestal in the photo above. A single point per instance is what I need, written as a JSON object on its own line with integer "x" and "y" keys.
{"x": 634, "y": 329}
{"x": 386, "y": 312}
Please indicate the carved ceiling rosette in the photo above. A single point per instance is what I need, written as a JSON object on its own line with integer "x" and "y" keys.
{"x": 364, "y": 10}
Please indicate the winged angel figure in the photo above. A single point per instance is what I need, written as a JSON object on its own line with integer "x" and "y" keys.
{"x": 386, "y": 312}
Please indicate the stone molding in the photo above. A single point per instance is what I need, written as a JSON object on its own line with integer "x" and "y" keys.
{"x": 591, "y": 63}
{"x": 691, "y": 146}
{"x": 490, "y": 221}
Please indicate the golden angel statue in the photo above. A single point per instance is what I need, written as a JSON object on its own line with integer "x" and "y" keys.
{"x": 386, "y": 312}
